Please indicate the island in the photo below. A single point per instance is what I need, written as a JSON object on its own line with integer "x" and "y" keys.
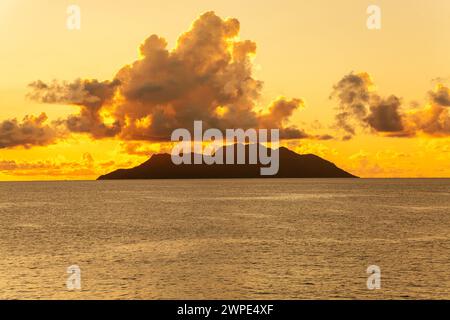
{"x": 291, "y": 165}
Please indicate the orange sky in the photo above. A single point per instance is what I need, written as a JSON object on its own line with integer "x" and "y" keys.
{"x": 303, "y": 50}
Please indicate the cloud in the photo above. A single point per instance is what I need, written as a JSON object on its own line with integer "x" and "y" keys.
{"x": 433, "y": 120}
{"x": 441, "y": 96}
{"x": 208, "y": 76}
{"x": 89, "y": 95}
{"x": 384, "y": 115}
{"x": 360, "y": 105}
{"x": 279, "y": 113}
{"x": 352, "y": 92}
{"x": 31, "y": 131}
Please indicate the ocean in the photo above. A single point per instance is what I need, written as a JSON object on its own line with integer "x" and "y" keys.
{"x": 226, "y": 239}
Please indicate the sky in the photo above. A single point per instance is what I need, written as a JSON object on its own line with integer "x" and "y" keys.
{"x": 75, "y": 104}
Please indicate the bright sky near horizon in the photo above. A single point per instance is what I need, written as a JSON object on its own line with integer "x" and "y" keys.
{"x": 303, "y": 49}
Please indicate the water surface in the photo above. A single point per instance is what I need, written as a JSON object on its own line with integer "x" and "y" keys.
{"x": 225, "y": 239}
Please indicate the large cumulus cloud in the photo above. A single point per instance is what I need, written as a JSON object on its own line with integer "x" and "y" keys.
{"x": 207, "y": 76}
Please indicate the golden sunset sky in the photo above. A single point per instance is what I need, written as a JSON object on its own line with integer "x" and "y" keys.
{"x": 112, "y": 103}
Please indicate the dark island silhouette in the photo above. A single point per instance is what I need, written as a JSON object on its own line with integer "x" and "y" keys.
{"x": 291, "y": 165}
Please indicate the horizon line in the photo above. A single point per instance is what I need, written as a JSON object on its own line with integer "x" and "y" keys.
{"x": 267, "y": 178}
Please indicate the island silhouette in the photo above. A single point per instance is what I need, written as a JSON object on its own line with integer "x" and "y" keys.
{"x": 291, "y": 165}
